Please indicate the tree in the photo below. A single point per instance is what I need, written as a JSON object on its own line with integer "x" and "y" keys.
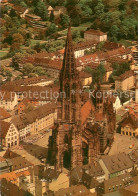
{"x": 15, "y": 47}
{"x": 51, "y": 29}
{"x": 120, "y": 68}
{"x": 13, "y": 30}
{"x": 17, "y": 38}
{"x": 16, "y": 22}
{"x": 89, "y": 70}
{"x": 31, "y": 75}
{"x": 64, "y": 22}
{"x": 8, "y": 73}
{"x": 37, "y": 47}
{"x": 39, "y": 71}
{"x": 13, "y": 13}
{"x": 86, "y": 9}
{"x": 75, "y": 11}
{"x": 23, "y": 4}
{"x": 113, "y": 3}
{"x": 28, "y": 68}
{"x": 99, "y": 9}
{"x": 41, "y": 10}
{"x": 98, "y": 74}
{"x": 2, "y": 69}
{"x": 18, "y": 78}
{"x": 17, "y": 59}
{"x": 76, "y": 34}
{"x": 52, "y": 17}
{"x": 114, "y": 32}
{"x": 8, "y": 22}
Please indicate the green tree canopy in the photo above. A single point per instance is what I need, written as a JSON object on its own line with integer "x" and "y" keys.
{"x": 41, "y": 10}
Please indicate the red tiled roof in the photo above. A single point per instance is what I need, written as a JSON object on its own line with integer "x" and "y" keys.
{"x": 95, "y": 32}
{"x": 83, "y": 74}
{"x": 125, "y": 75}
{"x": 28, "y": 81}
{"x": 85, "y": 110}
{"x": 12, "y": 176}
{"x": 61, "y": 51}
{"x": 4, "y": 114}
{"x": 2, "y": 159}
{"x": 19, "y": 9}
{"x": 111, "y": 45}
{"x": 130, "y": 120}
{"x": 9, "y": 177}
{"x": 4, "y": 127}
{"x": 84, "y": 45}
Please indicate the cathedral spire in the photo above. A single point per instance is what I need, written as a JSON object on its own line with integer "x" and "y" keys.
{"x": 69, "y": 63}
{"x": 69, "y": 83}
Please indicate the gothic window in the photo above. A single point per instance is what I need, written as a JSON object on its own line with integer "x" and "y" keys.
{"x": 67, "y": 93}
{"x": 73, "y": 96}
{"x": 73, "y": 115}
{"x": 66, "y": 139}
{"x": 66, "y": 112}
{"x": 59, "y": 113}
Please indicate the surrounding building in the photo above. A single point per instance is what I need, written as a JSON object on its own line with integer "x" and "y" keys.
{"x": 8, "y": 100}
{"x": 36, "y": 120}
{"x": 50, "y": 10}
{"x": 129, "y": 125}
{"x": 21, "y": 11}
{"x": 116, "y": 165}
{"x": 20, "y": 164}
{"x": 6, "y": 188}
{"x": 22, "y": 106}
{"x": 9, "y": 134}
{"x": 74, "y": 190}
{"x": 4, "y": 115}
{"x": 125, "y": 81}
{"x": 5, "y": 166}
{"x": 130, "y": 190}
{"x": 115, "y": 184}
{"x": 116, "y": 101}
{"x": 135, "y": 54}
{"x": 59, "y": 10}
{"x": 86, "y": 79}
{"x": 80, "y": 48}
{"x": 94, "y": 171}
{"x": 31, "y": 18}
{"x": 120, "y": 54}
{"x": 95, "y": 35}
{"x": 34, "y": 81}
{"x": 136, "y": 88}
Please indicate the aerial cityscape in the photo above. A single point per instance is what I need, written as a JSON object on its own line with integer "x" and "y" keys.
{"x": 69, "y": 98}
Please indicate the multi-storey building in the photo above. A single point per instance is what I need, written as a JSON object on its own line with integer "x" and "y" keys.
{"x": 129, "y": 125}
{"x": 95, "y": 35}
{"x": 9, "y": 134}
{"x": 136, "y": 87}
{"x": 8, "y": 100}
{"x": 35, "y": 121}
{"x": 125, "y": 81}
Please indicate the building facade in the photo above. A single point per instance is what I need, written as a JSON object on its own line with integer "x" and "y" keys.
{"x": 8, "y": 100}
{"x": 129, "y": 126}
{"x": 125, "y": 81}
{"x": 76, "y": 139}
{"x": 95, "y": 35}
{"x": 9, "y": 134}
{"x": 35, "y": 121}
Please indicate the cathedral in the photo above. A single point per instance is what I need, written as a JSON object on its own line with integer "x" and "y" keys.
{"x": 82, "y": 131}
